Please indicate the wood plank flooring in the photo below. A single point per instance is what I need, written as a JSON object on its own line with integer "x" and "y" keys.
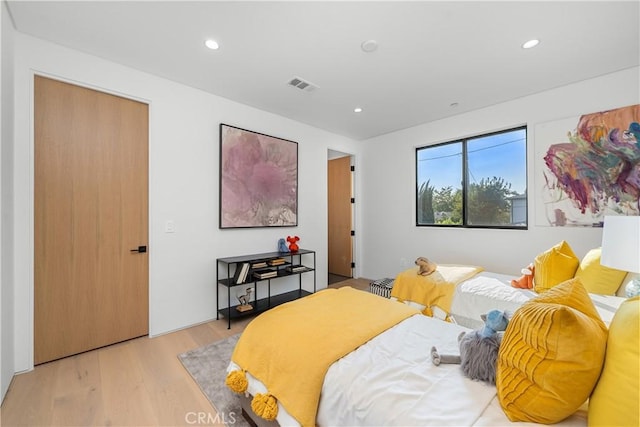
{"x": 139, "y": 382}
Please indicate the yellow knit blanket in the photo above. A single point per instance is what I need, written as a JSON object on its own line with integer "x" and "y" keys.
{"x": 434, "y": 290}
{"x": 290, "y": 347}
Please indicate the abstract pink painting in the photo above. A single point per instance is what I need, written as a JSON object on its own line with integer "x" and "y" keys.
{"x": 591, "y": 171}
{"x": 258, "y": 179}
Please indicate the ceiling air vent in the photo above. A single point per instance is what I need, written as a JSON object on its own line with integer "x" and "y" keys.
{"x": 302, "y": 84}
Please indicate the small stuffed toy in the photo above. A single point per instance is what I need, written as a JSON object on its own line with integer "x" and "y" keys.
{"x": 526, "y": 280}
{"x": 282, "y": 246}
{"x": 426, "y": 266}
{"x": 293, "y": 246}
{"x": 478, "y": 349}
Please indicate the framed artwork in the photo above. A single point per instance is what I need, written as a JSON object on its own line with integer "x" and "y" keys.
{"x": 258, "y": 179}
{"x": 588, "y": 167}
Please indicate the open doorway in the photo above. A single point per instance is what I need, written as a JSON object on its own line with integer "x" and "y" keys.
{"x": 340, "y": 216}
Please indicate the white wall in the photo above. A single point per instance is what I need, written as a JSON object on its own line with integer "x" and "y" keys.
{"x": 390, "y": 238}
{"x": 183, "y": 186}
{"x": 6, "y": 218}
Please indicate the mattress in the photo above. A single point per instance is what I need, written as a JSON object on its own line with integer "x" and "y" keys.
{"x": 391, "y": 380}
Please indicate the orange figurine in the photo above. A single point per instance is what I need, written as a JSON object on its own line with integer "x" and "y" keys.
{"x": 293, "y": 246}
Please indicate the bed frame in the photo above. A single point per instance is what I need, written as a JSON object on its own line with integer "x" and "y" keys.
{"x": 250, "y": 417}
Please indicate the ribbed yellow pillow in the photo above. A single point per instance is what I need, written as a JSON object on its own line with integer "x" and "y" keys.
{"x": 616, "y": 398}
{"x": 597, "y": 278}
{"x": 554, "y": 266}
{"x": 551, "y": 355}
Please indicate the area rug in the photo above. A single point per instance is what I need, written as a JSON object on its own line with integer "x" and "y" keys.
{"x": 207, "y": 366}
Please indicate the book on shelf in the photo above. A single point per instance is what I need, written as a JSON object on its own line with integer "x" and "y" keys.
{"x": 236, "y": 274}
{"x": 242, "y": 272}
{"x": 265, "y": 273}
{"x": 276, "y": 261}
{"x": 259, "y": 264}
{"x": 296, "y": 268}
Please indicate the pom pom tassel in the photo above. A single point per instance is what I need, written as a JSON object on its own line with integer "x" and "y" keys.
{"x": 265, "y": 406}
{"x": 237, "y": 381}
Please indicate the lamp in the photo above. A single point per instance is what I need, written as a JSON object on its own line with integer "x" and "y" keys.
{"x": 621, "y": 247}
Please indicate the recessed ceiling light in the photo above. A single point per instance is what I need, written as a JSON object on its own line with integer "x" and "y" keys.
{"x": 530, "y": 44}
{"x": 357, "y": 110}
{"x": 211, "y": 44}
{"x": 369, "y": 46}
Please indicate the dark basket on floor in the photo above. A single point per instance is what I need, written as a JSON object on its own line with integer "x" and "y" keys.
{"x": 381, "y": 287}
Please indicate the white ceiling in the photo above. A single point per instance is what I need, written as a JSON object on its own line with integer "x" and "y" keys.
{"x": 430, "y": 55}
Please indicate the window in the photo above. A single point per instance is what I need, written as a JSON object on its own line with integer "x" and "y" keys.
{"x": 474, "y": 182}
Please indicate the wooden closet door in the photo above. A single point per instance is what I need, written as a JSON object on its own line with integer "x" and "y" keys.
{"x": 91, "y": 210}
{"x": 340, "y": 220}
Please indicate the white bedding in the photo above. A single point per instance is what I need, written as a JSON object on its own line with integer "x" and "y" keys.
{"x": 488, "y": 291}
{"x": 391, "y": 381}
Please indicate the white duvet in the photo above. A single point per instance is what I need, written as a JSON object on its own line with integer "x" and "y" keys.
{"x": 391, "y": 381}
{"x": 484, "y": 292}
{"x": 488, "y": 291}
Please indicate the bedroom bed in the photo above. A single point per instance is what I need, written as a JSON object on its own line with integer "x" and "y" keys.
{"x": 390, "y": 381}
{"x": 487, "y": 291}
{"x": 461, "y": 293}
{"x": 387, "y": 379}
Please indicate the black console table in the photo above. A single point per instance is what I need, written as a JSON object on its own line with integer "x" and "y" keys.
{"x": 274, "y": 264}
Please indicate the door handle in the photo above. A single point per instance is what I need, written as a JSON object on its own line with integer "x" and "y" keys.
{"x": 140, "y": 249}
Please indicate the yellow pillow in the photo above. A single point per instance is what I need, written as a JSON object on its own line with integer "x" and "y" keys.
{"x": 616, "y": 398}
{"x": 554, "y": 266}
{"x": 551, "y": 355}
{"x": 597, "y": 278}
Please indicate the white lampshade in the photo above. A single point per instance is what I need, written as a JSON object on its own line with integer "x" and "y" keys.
{"x": 621, "y": 243}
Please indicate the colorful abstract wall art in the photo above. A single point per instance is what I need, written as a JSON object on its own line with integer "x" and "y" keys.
{"x": 258, "y": 179}
{"x": 588, "y": 167}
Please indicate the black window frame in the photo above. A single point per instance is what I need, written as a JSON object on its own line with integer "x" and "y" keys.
{"x": 465, "y": 181}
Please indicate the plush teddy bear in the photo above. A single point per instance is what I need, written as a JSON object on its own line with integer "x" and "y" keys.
{"x": 478, "y": 349}
{"x": 526, "y": 280}
{"x": 426, "y": 266}
{"x": 293, "y": 246}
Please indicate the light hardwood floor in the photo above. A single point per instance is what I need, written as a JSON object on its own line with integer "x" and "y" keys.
{"x": 139, "y": 382}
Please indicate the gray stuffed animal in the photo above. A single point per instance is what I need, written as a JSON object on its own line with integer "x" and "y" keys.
{"x": 478, "y": 349}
